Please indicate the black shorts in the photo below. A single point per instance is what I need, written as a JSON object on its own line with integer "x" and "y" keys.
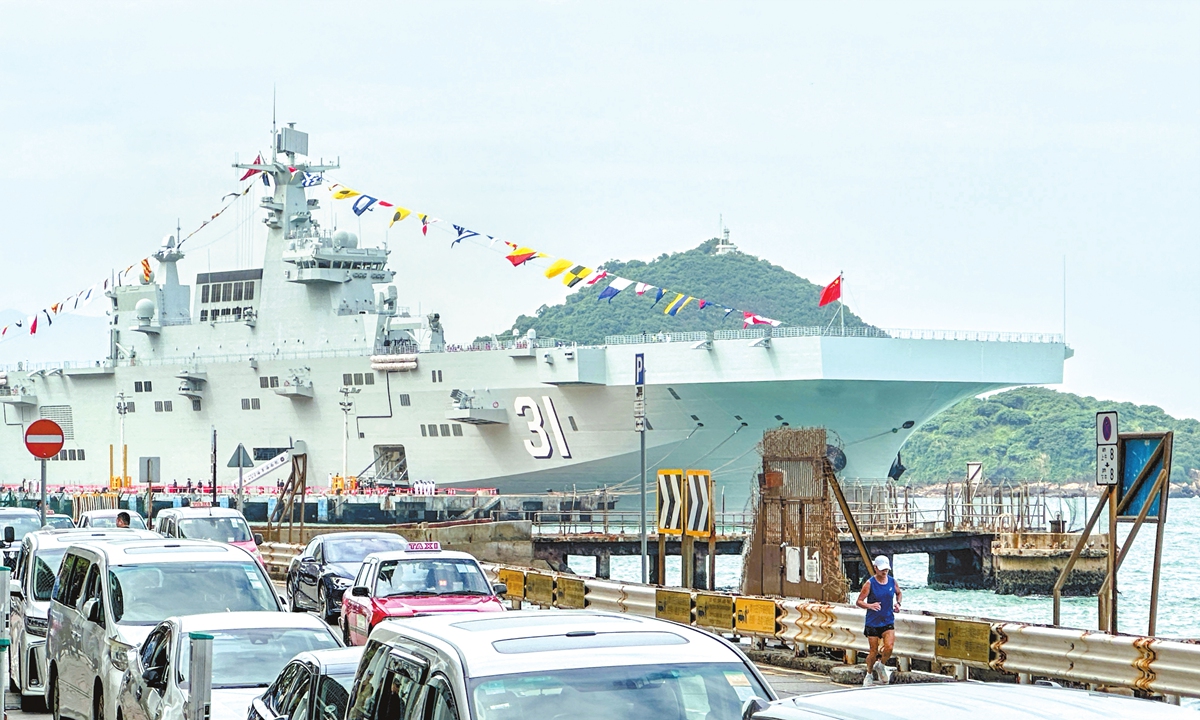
{"x": 878, "y": 631}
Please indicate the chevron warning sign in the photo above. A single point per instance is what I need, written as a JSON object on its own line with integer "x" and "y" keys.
{"x": 671, "y": 498}
{"x": 699, "y": 503}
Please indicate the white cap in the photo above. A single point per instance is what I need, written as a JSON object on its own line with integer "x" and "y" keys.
{"x": 882, "y": 563}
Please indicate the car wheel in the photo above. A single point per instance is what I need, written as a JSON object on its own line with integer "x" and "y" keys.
{"x": 346, "y": 635}
{"x": 54, "y": 699}
{"x": 327, "y": 613}
{"x": 293, "y": 606}
{"x": 98, "y": 702}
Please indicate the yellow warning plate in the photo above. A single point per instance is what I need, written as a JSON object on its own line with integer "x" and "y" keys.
{"x": 714, "y": 611}
{"x": 755, "y": 616}
{"x": 968, "y": 640}
{"x": 514, "y": 579}
{"x": 673, "y": 605}
{"x": 569, "y": 593}
{"x": 539, "y": 588}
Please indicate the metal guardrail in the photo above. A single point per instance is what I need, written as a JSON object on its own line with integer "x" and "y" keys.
{"x": 1147, "y": 664}
{"x": 277, "y": 556}
{"x": 616, "y": 522}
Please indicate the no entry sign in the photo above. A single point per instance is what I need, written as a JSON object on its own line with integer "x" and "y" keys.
{"x": 44, "y": 438}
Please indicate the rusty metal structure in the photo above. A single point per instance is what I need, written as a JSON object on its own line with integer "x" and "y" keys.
{"x": 290, "y": 506}
{"x": 793, "y": 549}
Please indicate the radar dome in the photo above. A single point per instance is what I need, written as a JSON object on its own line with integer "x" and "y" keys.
{"x": 144, "y": 310}
{"x": 344, "y": 239}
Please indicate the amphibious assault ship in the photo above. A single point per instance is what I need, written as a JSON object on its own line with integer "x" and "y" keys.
{"x": 312, "y": 346}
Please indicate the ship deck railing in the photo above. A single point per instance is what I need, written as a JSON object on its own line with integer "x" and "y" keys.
{"x": 818, "y": 331}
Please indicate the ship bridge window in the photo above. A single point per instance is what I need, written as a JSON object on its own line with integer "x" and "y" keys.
{"x": 237, "y": 292}
{"x": 129, "y": 406}
{"x": 143, "y": 386}
{"x": 435, "y": 375}
{"x": 268, "y": 381}
{"x": 250, "y": 404}
{"x": 163, "y": 406}
{"x": 69, "y": 455}
{"x": 204, "y": 293}
{"x": 457, "y": 429}
{"x": 249, "y": 293}
{"x": 405, "y": 400}
{"x": 445, "y": 431}
{"x": 263, "y": 454}
{"x": 226, "y": 292}
{"x": 433, "y": 431}
{"x": 203, "y": 316}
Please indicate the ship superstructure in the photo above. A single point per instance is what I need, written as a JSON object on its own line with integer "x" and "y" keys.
{"x": 314, "y": 342}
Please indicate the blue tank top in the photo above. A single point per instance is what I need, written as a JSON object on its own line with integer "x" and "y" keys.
{"x": 885, "y": 595}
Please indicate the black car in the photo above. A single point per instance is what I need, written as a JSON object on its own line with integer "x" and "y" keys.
{"x": 317, "y": 577}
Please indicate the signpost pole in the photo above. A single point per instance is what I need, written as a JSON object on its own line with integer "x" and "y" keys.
{"x": 43, "y": 511}
{"x": 639, "y": 420}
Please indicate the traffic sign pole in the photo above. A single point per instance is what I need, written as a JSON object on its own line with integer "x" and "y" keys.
{"x": 639, "y": 420}
{"x": 43, "y": 493}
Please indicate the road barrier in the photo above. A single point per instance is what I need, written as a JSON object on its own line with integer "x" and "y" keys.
{"x": 1150, "y": 665}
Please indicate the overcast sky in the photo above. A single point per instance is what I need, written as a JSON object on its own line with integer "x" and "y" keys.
{"x": 946, "y": 156}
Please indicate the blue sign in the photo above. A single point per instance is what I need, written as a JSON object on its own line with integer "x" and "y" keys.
{"x": 1135, "y": 454}
{"x": 639, "y": 369}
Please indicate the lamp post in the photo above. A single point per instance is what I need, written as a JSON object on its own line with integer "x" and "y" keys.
{"x": 122, "y": 408}
{"x": 347, "y": 405}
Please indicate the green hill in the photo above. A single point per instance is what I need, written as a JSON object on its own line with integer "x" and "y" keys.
{"x": 1022, "y": 434}
{"x": 1034, "y": 433}
{"x": 729, "y": 280}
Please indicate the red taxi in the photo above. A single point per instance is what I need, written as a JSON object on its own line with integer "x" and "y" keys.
{"x": 422, "y": 579}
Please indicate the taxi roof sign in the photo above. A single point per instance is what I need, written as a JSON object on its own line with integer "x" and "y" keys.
{"x": 431, "y": 546}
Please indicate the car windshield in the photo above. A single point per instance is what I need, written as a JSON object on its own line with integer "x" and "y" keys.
{"x": 22, "y": 525}
{"x": 253, "y": 657}
{"x": 354, "y": 550}
{"x": 693, "y": 691}
{"x": 110, "y": 521}
{"x": 444, "y": 576}
{"x": 148, "y": 594}
{"x": 45, "y": 568}
{"x": 60, "y": 521}
{"x": 221, "y": 529}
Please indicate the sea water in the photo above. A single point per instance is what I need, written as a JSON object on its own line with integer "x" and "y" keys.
{"x": 1179, "y": 591}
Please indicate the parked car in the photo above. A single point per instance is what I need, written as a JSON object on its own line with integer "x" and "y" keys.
{"x": 22, "y": 521}
{"x": 963, "y": 701}
{"x": 249, "y": 650}
{"x": 108, "y": 519}
{"x": 422, "y": 579}
{"x": 59, "y": 522}
{"x": 37, "y": 565}
{"x": 218, "y": 524}
{"x": 320, "y": 574}
{"x": 573, "y": 664}
{"x": 313, "y": 686}
{"x": 109, "y": 596}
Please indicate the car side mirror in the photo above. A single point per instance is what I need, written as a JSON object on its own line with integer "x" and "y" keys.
{"x": 753, "y": 706}
{"x": 258, "y": 539}
{"x": 94, "y": 611}
{"x": 500, "y": 588}
{"x": 360, "y": 591}
{"x": 10, "y": 535}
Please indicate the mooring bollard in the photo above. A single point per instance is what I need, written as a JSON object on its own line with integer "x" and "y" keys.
{"x": 200, "y": 695}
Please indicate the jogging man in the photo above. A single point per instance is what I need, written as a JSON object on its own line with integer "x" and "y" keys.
{"x": 880, "y": 597}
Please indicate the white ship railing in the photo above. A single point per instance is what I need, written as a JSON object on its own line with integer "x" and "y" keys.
{"x": 856, "y": 332}
{"x": 641, "y": 338}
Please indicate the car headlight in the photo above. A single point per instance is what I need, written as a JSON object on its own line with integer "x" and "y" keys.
{"x": 36, "y": 626}
{"x": 118, "y": 654}
{"x": 342, "y": 582}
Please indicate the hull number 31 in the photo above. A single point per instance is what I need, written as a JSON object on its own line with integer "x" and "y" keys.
{"x": 540, "y": 447}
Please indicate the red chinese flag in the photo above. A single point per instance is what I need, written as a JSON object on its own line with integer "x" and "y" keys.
{"x": 832, "y": 291}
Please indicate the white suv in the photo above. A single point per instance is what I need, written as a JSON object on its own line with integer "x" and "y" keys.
{"x": 33, "y": 578}
{"x": 109, "y": 596}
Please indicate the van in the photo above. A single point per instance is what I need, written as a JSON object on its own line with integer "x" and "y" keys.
{"x": 109, "y": 596}
{"x": 223, "y": 525}
{"x": 37, "y": 564}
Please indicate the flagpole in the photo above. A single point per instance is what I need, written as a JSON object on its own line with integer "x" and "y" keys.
{"x": 841, "y": 302}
